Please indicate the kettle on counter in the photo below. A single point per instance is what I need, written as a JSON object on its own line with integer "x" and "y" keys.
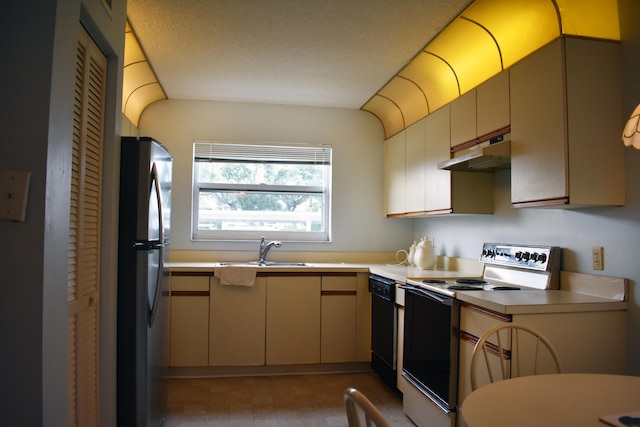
{"x": 425, "y": 256}
{"x": 412, "y": 254}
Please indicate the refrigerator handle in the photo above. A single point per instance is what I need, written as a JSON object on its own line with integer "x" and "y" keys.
{"x": 157, "y": 295}
{"x": 155, "y": 182}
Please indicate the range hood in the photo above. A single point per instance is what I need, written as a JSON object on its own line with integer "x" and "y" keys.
{"x": 488, "y": 156}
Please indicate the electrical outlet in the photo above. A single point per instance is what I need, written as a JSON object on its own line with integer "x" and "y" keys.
{"x": 598, "y": 258}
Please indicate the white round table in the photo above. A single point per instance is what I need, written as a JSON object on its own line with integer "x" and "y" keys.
{"x": 552, "y": 400}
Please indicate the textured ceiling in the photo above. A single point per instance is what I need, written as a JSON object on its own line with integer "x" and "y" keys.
{"x": 330, "y": 53}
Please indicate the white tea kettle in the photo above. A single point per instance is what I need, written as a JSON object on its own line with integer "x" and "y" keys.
{"x": 425, "y": 256}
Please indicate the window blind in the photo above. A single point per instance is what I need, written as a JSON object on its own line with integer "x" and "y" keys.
{"x": 258, "y": 153}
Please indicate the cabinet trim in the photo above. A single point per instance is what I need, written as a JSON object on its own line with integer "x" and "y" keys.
{"x": 485, "y": 311}
{"x": 192, "y": 273}
{"x": 341, "y": 274}
{"x": 562, "y": 201}
{"x": 292, "y": 273}
{"x": 491, "y": 348}
{"x": 189, "y": 293}
{"x": 480, "y": 139}
{"x": 337, "y": 293}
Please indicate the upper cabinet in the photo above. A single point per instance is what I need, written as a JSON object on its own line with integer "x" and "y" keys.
{"x": 493, "y": 114}
{"x": 394, "y": 174}
{"x": 566, "y": 120}
{"x": 463, "y": 119}
{"x": 481, "y": 113}
{"x": 451, "y": 191}
{"x": 414, "y": 184}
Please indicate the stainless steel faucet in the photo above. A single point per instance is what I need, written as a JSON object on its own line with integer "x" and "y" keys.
{"x": 264, "y": 249}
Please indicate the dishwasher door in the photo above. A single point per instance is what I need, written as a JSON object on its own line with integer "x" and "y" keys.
{"x": 384, "y": 326}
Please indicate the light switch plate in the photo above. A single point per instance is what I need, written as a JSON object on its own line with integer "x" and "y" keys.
{"x": 14, "y": 191}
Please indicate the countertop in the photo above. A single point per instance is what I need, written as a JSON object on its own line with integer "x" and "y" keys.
{"x": 506, "y": 302}
{"x": 209, "y": 267}
{"x": 401, "y": 273}
{"x": 534, "y": 301}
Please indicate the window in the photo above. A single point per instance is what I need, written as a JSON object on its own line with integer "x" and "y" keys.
{"x": 244, "y": 191}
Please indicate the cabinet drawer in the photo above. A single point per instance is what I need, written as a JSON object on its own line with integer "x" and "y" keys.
{"x": 181, "y": 284}
{"x": 475, "y": 320}
{"x": 340, "y": 282}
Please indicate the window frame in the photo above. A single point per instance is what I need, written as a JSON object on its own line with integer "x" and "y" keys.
{"x": 236, "y": 151}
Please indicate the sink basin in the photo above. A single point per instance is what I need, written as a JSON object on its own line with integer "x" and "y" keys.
{"x": 264, "y": 264}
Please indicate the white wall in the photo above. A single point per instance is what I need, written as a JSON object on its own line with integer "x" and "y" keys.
{"x": 356, "y": 137}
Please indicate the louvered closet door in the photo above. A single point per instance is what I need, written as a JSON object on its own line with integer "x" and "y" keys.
{"x": 84, "y": 234}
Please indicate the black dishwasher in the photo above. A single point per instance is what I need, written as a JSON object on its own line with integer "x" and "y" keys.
{"x": 384, "y": 326}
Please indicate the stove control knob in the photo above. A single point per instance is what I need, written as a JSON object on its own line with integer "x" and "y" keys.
{"x": 526, "y": 256}
{"x": 534, "y": 257}
{"x": 542, "y": 258}
{"x": 518, "y": 255}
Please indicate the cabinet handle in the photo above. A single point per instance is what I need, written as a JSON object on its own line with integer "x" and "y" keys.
{"x": 337, "y": 293}
{"x": 189, "y": 293}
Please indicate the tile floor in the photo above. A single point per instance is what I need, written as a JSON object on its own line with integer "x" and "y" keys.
{"x": 307, "y": 400}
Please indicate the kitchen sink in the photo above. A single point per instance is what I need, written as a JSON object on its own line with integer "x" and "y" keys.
{"x": 264, "y": 263}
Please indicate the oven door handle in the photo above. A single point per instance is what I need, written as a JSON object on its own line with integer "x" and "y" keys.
{"x": 442, "y": 299}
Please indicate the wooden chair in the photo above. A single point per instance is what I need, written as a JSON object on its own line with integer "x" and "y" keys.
{"x": 358, "y": 406}
{"x": 513, "y": 350}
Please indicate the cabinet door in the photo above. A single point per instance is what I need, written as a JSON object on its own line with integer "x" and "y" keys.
{"x": 237, "y": 332}
{"x": 293, "y": 319}
{"x": 437, "y": 149}
{"x": 415, "y": 168}
{"x": 492, "y": 105}
{"x": 473, "y": 322}
{"x": 594, "y": 94}
{"x": 463, "y": 118}
{"x": 538, "y": 135}
{"x": 189, "y": 324}
{"x": 338, "y": 322}
{"x": 394, "y": 171}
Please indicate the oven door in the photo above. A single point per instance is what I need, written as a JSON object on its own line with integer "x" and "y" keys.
{"x": 431, "y": 333}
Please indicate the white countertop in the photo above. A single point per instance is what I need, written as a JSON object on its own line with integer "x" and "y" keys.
{"x": 506, "y": 302}
{"x": 396, "y": 272}
{"x": 208, "y": 267}
{"x": 543, "y": 301}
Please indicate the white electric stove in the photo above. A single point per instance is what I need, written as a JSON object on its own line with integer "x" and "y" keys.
{"x": 508, "y": 268}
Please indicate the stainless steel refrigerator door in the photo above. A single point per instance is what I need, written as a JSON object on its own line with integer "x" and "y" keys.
{"x": 151, "y": 251}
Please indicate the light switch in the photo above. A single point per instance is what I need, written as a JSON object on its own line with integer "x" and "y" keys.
{"x": 14, "y": 189}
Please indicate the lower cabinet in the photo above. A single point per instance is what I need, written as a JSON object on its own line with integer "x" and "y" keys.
{"x": 593, "y": 341}
{"x": 283, "y": 319}
{"x": 237, "y": 330}
{"x": 338, "y": 318}
{"x": 293, "y": 319}
{"x": 189, "y": 323}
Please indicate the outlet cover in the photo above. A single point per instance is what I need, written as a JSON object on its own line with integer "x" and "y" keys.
{"x": 14, "y": 191}
{"x": 598, "y": 258}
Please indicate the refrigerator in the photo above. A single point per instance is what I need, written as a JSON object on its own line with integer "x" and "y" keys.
{"x": 143, "y": 283}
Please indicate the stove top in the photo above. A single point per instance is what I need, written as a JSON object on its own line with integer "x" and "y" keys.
{"x": 449, "y": 287}
{"x": 508, "y": 267}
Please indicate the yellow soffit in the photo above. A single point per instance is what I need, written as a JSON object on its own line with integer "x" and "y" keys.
{"x": 140, "y": 86}
{"x": 486, "y": 38}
